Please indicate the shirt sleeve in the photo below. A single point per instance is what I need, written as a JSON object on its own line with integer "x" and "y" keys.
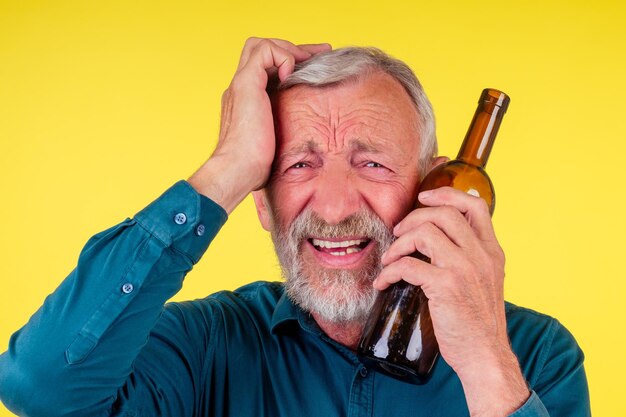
{"x": 533, "y": 407}
{"x": 562, "y": 383}
{"x": 77, "y": 351}
{"x": 559, "y": 388}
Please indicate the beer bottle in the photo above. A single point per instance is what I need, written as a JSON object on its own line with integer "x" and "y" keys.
{"x": 398, "y": 338}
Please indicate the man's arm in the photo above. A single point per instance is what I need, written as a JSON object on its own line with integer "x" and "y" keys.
{"x": 78, "y": 349}
{"x": 465, "y": 286}
{"x": 76, "y": 355}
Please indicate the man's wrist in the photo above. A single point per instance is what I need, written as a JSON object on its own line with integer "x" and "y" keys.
{"x": 495, "y": 387}
{"x": 221, "y": 181}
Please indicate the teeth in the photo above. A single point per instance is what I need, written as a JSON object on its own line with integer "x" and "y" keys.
{"x": 343, "y": 244}
{"x": 351, "y": 246}
{"x": 347, "y": 252}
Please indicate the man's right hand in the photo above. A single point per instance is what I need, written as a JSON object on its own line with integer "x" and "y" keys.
{"x": 245, "y": 150}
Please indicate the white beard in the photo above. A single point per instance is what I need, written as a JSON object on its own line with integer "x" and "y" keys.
{"x": 336, "y": 295}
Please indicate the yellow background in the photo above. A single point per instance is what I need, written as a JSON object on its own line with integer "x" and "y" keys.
{"x": 103, "y": 105}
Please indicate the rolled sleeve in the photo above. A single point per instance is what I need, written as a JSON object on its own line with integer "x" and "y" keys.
{"x": 533, "y": 407}
{"x": 183, "y": 219}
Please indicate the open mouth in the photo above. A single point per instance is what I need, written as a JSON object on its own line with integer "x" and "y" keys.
{"x": 340, "y": 247}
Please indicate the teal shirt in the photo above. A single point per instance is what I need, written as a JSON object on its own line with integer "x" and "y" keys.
{"x": 104, "y": 343}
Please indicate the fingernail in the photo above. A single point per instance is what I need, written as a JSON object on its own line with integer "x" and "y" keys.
{"x": 424, "y": 195}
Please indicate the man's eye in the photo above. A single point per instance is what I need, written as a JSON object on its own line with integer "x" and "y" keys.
{"x": 300, "y": 165}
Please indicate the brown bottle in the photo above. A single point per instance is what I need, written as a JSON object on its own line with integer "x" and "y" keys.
{"x": 398, "y": 338}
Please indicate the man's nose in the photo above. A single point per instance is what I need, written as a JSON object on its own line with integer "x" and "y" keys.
{"x": 336, "y": 196}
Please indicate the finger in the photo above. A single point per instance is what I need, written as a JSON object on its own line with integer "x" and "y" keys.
{"x": 411, "y": 270}
{"x": 474, "y": 209}
{"x": 254, "y": 43}
{"x": 428, "y": 240}
{"x": 300, "y": 54}
{"x": 265, "y": 57}
{"x": 248, "y": 46}
{"x": 316, "y": 48}
{"x": 447, "y": 218}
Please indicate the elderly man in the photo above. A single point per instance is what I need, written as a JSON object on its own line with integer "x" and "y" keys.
{"x": 333, "y": 153}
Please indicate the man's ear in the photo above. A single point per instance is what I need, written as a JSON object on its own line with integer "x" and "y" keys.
{"x": 262, "y": 210}
{"x": 438, "y": 161}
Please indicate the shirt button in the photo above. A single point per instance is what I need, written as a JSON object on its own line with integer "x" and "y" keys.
{"x": 180, "y": 218}
{"x": 127, "y": 288}
{"x": 363, "y": 372}
{"x": 200, "y": 230}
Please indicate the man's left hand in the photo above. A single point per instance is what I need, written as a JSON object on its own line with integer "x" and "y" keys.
{"x": 464, "y": 285}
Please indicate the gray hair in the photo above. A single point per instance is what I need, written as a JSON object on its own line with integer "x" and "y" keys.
{"x": 346, "y": 64}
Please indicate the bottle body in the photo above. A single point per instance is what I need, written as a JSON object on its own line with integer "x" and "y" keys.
{"x": 466, "y": 177}
{"x": 398, "y": 337}
{"x": 400, "y": 341}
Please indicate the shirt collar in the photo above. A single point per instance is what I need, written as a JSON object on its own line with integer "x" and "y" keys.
{"x": 287, "y": 314}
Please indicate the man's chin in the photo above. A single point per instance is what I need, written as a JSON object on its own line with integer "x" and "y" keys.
{"x": 333, "y": 298}
{"x": 341, "y": 314}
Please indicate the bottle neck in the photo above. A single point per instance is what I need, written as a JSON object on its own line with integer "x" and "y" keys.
{"x": 484, "y": 128}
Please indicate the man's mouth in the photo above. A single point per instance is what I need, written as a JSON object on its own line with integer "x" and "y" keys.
{"x": 340, "y": 247}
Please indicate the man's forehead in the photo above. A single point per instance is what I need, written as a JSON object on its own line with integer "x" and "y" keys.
{"x": 313, "y": 146}
{"x": 377, "y": 87}
{"x": 373, "y": 114}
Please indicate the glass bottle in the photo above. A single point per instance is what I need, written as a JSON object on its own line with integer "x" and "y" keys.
{"x": 398, "y": 338}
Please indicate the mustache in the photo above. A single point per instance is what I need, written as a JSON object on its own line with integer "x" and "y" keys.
{"x": 363, "y": 223}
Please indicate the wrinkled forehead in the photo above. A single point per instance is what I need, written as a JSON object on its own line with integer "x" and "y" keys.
{"x": 375, "y": 87}
{"x": 373, "y": 112}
